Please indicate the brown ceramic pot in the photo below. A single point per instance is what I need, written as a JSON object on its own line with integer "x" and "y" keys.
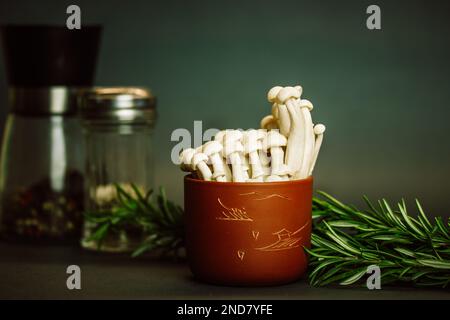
{"x": 247, "y": 234}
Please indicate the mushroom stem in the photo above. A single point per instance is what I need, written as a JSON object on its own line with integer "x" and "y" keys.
{"x": 219, "y": 138}
{"x": 199, "y": 164}
{"x": 237, "y": 172}
{"x": 296, "y": 140}
{"x": 212, "y": 149}
{"x": 204, "y": 171}
{"x": 252, "y": 144}
{"x": 245, "y": 166}
{"x": 222, "y": 179}
{"x": 277, "y": 156}
{"x": 305, "y": 107}
{"x": 275, "y": 141}
{"x": 232, "y": 151}
{"x": 186, "y": 159}
{"x": 319, "y": 129}
{"x": 256, "y": 165}
{"x": 283, "y": 120}
{"x": 218, "y": 166}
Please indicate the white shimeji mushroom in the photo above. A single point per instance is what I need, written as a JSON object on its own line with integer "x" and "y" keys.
{"x": 269, "y": 122}
{"x": 283, "y": 119}
{"x": 296, "y": 141}
{"x": 275, "y": 111}
{"x": 273, "y": 93}
{"x": 279, "y": 111}
{"x": 186, "y": 159}
{"x": 319, "y": 129}
{"x": 262, "y": 154}
{"x": 213, "y": 150}
{"x": 275, "y": 141}
{"x": 199, "y": 163}
{"x": 232, "y": 150}
{"x": 305, "y": 106}
{"x": 252, "y": 144}
{"x": 245, "y": 166}
{"x": 219, "y": 138}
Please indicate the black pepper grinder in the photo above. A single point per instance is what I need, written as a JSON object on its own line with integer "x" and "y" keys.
{"x": 41, "y": 164}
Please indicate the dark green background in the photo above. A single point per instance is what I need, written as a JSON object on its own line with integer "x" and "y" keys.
{"x": 384, "y": 95}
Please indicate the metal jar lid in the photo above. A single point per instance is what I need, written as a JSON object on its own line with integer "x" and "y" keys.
{"x": 119, "y": 105}
{"x": 44, "y": 101}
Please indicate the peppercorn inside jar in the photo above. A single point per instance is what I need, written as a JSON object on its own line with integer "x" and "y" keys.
{"x": 118, "y": 128}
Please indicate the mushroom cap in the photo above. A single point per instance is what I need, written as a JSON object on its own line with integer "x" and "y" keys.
{"x": 232, "y": 135}
{"x": 302, "y": 103}
{"x": 250, "y": 141}
{"x": 197, "y": 158}
{"x": 186, "y": 156}
{"x": 268, "y": 122}
{"x": 232, "y": 146}
{"x": 274, "y": 139}
{"x": 273, "y": 92}
{"x": 219, "y": 136}
{"x": 212, "y": 147}
{"x": 287, "y": 93}
{"x": 319, "y": 129}
{"x": 261, "y": 133}
{"x": 299, "y": 88}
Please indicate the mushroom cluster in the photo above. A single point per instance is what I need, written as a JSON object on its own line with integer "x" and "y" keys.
{"x": 286, "y": 146}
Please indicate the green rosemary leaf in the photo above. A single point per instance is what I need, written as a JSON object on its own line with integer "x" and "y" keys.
{"x": 402, "y": 274}
{"x": 441, "y": 226}
{"x": 406, "y": 252}
{"x": 334, "y": 201}
{"x": 347, "y": 224}
{"x": 390, "y": 213}
{"x": 426, "y": 256}
{"x": 370, "y": 205}
{"x": 322, "y": 265}
{"x": 419, "y": 274}
{"x": 422, "y": 215}
{"x": 100, "y": 232}
{"x": 317, "y": 254}
{"x": 409, "y": 221}
{"x": 318, "y": 213}
{"x": 392, "y": 239}
{"x": 355, "y": 277}
{"x": 435, "y": 263}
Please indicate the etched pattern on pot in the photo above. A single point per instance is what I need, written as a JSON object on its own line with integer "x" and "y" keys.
{"x": 233, "y": 214}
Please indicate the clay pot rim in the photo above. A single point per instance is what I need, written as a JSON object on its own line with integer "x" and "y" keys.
{"x": 191, "y": 179}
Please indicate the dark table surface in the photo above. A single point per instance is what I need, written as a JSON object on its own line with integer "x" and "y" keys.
{"x": 36, "y": 272}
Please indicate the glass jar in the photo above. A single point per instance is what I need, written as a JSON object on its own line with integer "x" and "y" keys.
{"x": 41, "y": 163}
{"x": 118, "y": 125}
{"x": 41, "y": 181}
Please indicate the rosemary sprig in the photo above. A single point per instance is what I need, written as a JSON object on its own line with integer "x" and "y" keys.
{"x": 159, "y": 220}
{"x": 345, "y": 241}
